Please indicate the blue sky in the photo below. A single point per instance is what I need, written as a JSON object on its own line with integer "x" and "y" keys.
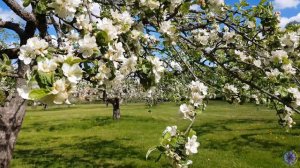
{"x": 286, "y": 11}
{"x": 290, "y": 9}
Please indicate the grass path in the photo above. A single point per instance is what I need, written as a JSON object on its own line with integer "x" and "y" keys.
{"x": 231, "y": 136}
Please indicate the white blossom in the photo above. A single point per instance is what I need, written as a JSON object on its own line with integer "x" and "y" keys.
{"x": 33, "y": 48}
{"x": 72, "y": 72}
{"x": 158, "y": 68}
{"x": 231, "y": 88}
{"x": 216, "y": 3}
{"x": 152, "y": 4}
{"x": 87, "y": 46}
{"x": 202, "y": 36}
{"x": 167, "y": 28}
{"x": 290, "y": 40}
{"x": 176, "y": 66}
{"x": 123, "y": 18}
{"x": 250, "y": 24}
{"x": 59, "y": 86}
{"x": 104, "y": 72}
{"x": 73, "y": 35}
{"x": 242, "y": 55}
{"x": 229, "y": 36}
{"x": 192, "y": 145}
{"x": 289, "y": 69}
{"x": 115, "y": 52}
{"x": 107, "y": 26}
{"x": 171, "y": 129}
{"x": 24, "y": 92}
{"x": 83, "y": 22}
{"x": 135, "y": 34}
{"x": 65, "y": 8}
{"x": 198, "y": 87}
{"x": 279, "y": 55}
{"x": 61, "y": 90}
{"x": 187, "y": 111}
{"x": 246, "y": 87}
{"x": 273, "y": 73}
{"x": 257, "y": 63}
{"x": 47, "y": 65}
{"x": 296, "y": 94}
{"x": 129, "y": 65}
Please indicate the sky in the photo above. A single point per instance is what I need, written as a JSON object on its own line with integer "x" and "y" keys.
{"x": 290, "y": 10}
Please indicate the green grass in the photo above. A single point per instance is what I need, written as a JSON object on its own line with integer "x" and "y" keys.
{"x": 86, "y": 136}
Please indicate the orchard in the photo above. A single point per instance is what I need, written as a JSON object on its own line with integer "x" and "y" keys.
{"x": 186, "y": 51}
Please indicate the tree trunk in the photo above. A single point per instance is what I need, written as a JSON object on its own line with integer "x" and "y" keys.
{"x": 13, "y": 111}
{"x": 116, "y": 109}
{"x": 11, "y": 119}
{"x": 115, "y": 103}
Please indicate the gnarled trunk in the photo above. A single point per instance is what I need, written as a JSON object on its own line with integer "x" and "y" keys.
{"x": 13, "y": 111}
{"x": 116, "y": 108}
{"x": 115, "y": 103}
{"x": 11, "y": 119}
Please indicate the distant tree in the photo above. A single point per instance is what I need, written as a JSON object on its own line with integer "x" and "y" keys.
{"x": 293, "y": 25}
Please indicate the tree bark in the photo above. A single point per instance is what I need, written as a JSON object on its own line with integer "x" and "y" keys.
{"x": 13, "y": 111}
{"x": 11, "y": 119}
{"x": 116, "y": 109}
{"x": 115, "y": 103}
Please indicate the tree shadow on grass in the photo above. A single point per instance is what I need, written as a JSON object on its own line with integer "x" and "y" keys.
{"x": 222, "y": 125}
{"x": 83, "y": 124}
{"x": 93, "y": 153}
{"x": 53, "y": 108}
{"x": 241, "y": 138}
{"x": 60, "y": 125}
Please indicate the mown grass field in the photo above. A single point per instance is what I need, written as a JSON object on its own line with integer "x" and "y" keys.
{"x": 231, "y": 136}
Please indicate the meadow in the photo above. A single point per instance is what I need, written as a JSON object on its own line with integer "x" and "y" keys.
{"x": 231, "y": 136}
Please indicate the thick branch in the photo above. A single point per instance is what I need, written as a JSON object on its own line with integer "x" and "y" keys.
{"x": 12, "y": 53}
{"x": 19, "y": 10}
{"x": 12, "y": 26}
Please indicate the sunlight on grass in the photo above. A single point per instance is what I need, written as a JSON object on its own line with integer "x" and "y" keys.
{"x": 86, "y": 136}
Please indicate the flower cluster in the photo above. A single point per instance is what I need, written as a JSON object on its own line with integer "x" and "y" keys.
{"x": 65, "y": 8}
{"x": 158, "y": 68}
{"x": 34, "y": 47}
{"x": 231, "y": 93}
{"x": 198, "y": 92}
{"x": 179, "y": 145}
{"x": 93, "y": 49}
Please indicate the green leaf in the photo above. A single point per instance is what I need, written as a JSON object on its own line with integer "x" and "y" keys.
{"x": 44, "y": 80}
{"x": 262, "y": 2}
{"x": 102, "y": 38}
{"x": 37, "y": 94}
{"x": 73, "y": 60}
{"x": 110, "y": 64}
{"x": 41, "y": 7}
{"x": 6, "y": 60}
{"x": 192, "y": 132}
{"x": 167, "y": 135}
{"x": 158, "y": 158}
{"x": 26, "y": 3}
{"x": 150, "y": 151}
{"x": 185, "y": 7}
{"x": 161, "y": 149}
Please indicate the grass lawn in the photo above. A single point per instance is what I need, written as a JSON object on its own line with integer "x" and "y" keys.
{"x": 86, "y": 136}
